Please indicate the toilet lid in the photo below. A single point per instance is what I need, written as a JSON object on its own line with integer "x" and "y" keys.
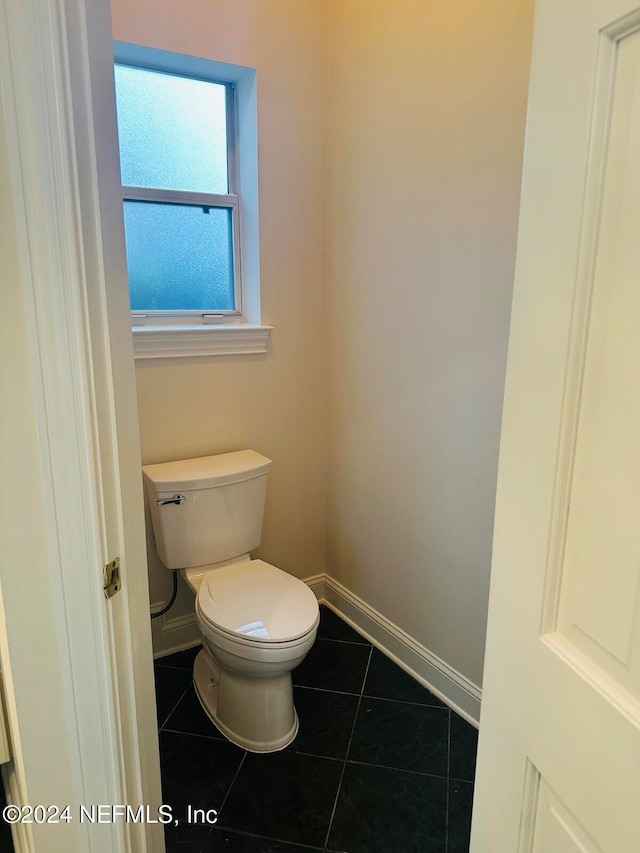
{"x": 257, "y": 601}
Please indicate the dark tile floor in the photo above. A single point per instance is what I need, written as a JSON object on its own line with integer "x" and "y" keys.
{"x": 6, "y": 843}
{"x": 380, "y": 765}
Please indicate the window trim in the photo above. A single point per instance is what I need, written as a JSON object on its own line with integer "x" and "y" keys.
{"x": 196, "y": 333}
{"x": 152, "y": 342}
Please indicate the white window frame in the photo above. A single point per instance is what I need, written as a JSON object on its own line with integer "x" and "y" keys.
{"x": 171, "y": 334}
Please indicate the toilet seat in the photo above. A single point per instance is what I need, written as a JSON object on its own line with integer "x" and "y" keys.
{"x": 255, "y": 605}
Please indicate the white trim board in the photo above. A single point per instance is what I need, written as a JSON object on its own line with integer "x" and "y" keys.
{"x": 175, "y": 634}
{"x": 427, "y": 668}
{"x": 191, "y": 341}
{"x": 71, "y": 378}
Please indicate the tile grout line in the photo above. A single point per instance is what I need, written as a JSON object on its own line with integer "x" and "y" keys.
{"x": 237, "y": 831}
{"x": 161, "y": 726}
{"x": 446, "y": 808}
{"x": 193, "y": 734}
{"x": 406, "y": 702}
{"x": 206, "y": 737}
{"x": 272, "y": 839}
{"x": 161, "y": 661}
{"x": 346, "y": 755}
{"x": 350, "y": 642}
{"x": 335, "y": 801}
{"x": 394, "y": 769}
{"x": 440, "y": 707}
{"x": 231, "y": 784}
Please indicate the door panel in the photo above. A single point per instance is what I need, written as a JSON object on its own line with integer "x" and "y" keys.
{"x": 559, "y": 748}
{"x": 597, "y": 608}
{"x": 557, "y": 830}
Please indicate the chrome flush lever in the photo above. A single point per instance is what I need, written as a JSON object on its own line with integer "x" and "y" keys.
{"x": 176, "y": 499}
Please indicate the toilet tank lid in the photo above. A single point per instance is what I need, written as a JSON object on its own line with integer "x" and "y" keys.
{"x": 206, "y": 472}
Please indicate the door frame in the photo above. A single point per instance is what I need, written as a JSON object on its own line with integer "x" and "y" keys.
{"x": 77, "y": 668}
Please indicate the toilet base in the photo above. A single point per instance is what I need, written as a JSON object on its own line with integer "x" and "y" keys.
{"x": 256, "y": 714}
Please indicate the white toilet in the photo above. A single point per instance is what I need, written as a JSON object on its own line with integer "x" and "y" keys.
{"x": 257, "y": 622}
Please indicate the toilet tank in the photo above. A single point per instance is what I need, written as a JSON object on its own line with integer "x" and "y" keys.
{"x": 208, "y": 509}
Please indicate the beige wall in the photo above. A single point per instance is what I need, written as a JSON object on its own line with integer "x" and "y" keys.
{"x": 427, "y": 108}
{"x": 275, "y": 404}
{"x": 411, "y": 167}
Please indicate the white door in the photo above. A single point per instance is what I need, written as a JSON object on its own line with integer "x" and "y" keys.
{"x": 559, "y": 750}
{"x": 77, "y": 668}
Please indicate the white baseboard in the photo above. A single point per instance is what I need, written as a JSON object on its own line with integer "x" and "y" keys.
{"x": 427, "y": 668}
{"x": 317, "y": 584}
{"x": 181, "y": 632}
{"x": 173, "y": 635}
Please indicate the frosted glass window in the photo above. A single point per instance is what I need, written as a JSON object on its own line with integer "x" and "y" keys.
{"x": 172, "y": 130}
{"x": 180, "y": 257}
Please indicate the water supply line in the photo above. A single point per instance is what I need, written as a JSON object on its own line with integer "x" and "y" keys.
{"x": 174, "y": 593}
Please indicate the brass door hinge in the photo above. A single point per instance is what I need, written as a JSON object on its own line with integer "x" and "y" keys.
{"x": 112, "y": 578}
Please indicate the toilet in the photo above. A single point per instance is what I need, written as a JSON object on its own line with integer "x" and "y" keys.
{"x": 257, "y": 622}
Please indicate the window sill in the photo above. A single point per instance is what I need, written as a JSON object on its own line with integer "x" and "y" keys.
{"x": 197, "y": 341}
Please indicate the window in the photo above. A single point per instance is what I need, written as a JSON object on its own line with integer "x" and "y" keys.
{"x": 180, "y": 148}
{"x": 180, "y": 207}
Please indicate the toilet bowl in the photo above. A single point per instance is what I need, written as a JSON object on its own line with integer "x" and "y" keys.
{"x": 257, "y": 622}
{"x": 257, "y": 625}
